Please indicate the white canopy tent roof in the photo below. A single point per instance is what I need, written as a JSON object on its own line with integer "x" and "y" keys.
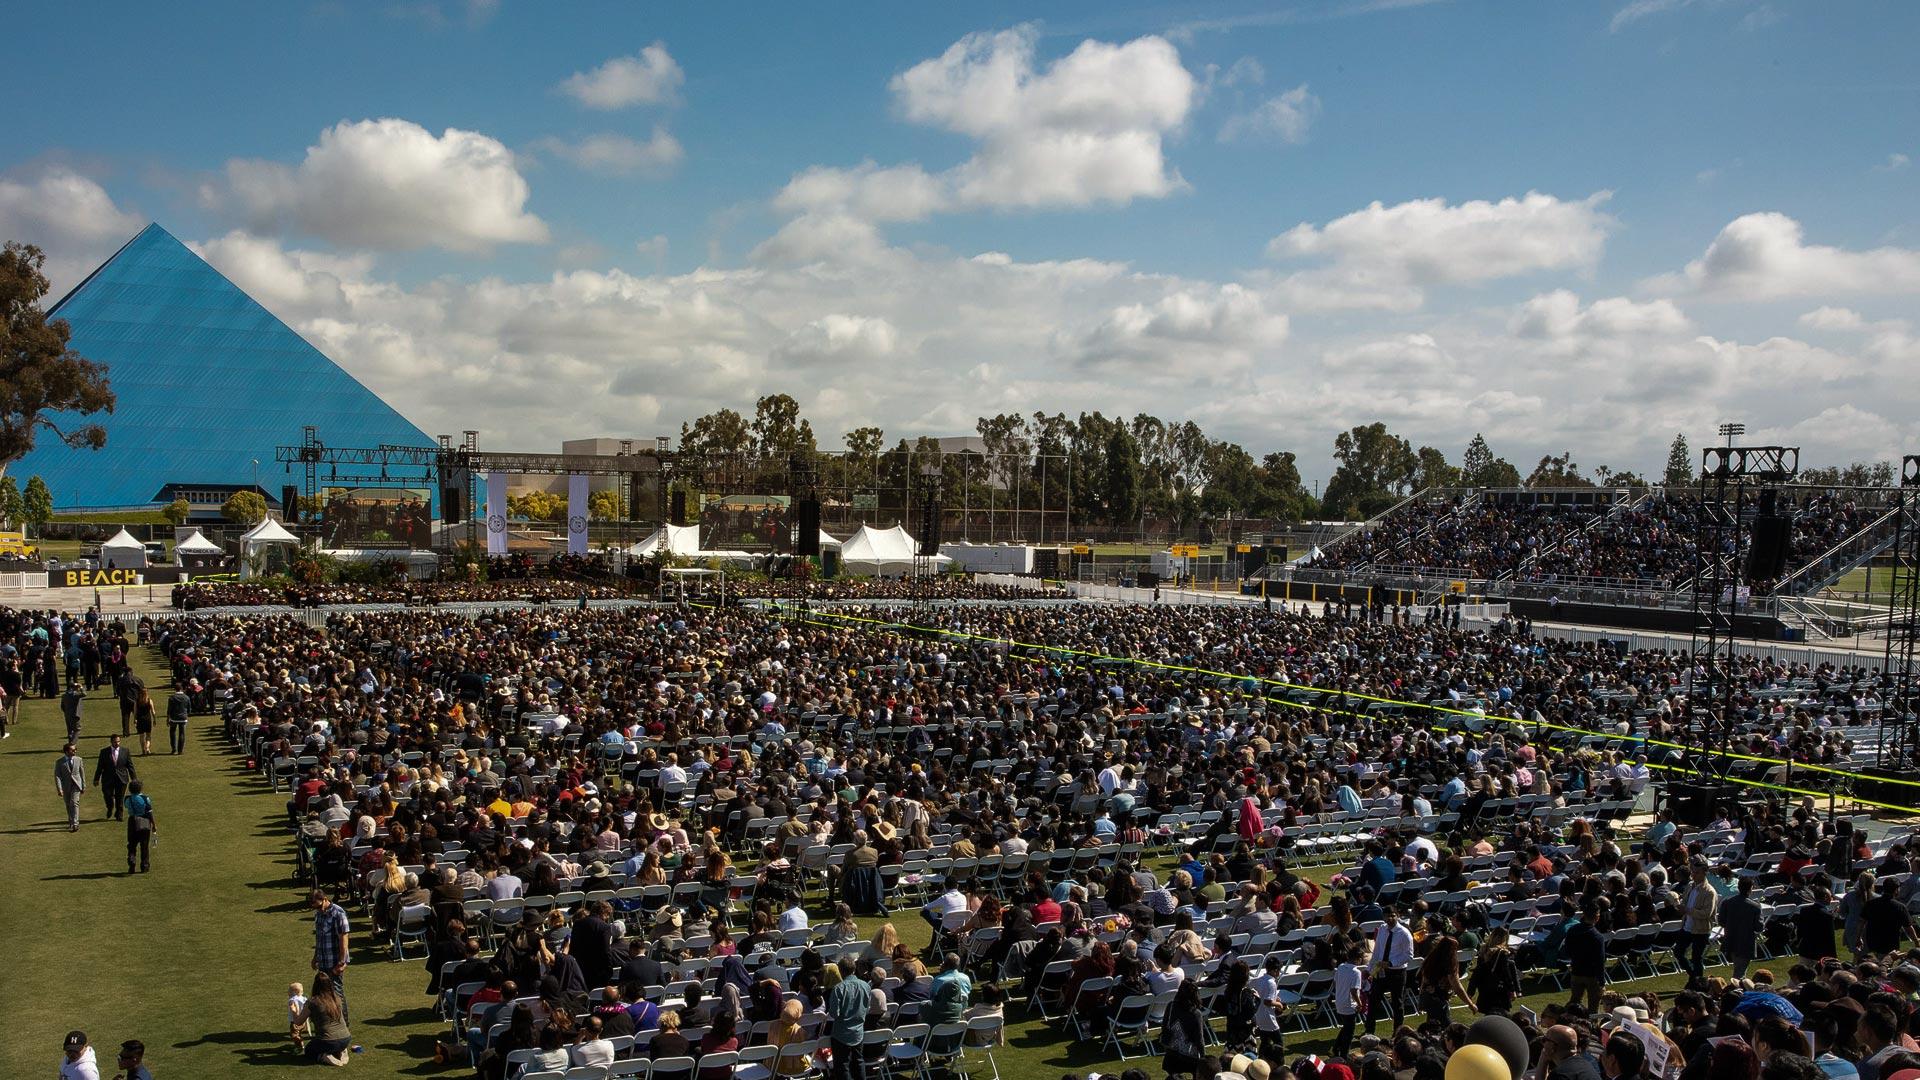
{"x": 267, "y": 534}
{"x": 884, "y": 553}
{"x": 268, "y": 531}
{"x": 196, "y": 545}
{"x": 683, "y": 541}
{"x": 123, "y": 552}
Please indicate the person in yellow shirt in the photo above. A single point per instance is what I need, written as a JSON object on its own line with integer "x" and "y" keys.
{"x": 500, "y": 806}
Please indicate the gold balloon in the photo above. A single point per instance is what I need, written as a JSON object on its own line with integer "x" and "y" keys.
{"x": 1476, "y": 1062}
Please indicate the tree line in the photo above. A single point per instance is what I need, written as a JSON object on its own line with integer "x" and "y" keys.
{"x": 1116, "y": 470}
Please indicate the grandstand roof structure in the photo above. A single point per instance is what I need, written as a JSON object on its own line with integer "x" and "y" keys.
{"x": 207, "y": 382}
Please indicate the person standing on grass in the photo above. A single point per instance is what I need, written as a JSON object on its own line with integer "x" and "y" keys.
{"x": 140, "y": 826}
{"x": 179, "y": 709}
{"x": 132, "y": 1065}
{"x": 124, "y": 685}
{"x": 113, "y": 772}
{"x": 13, "y": 685}
{"x": 70, "y": 708}
{"x": 847, "y": 1005}
{"x": 143, "y": 720}
{"x": 70, "y": 782}
{"x": 78, "y": 1064}
{"x": 329, "y": 945}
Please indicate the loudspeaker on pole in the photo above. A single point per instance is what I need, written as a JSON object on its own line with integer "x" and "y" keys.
{"x": 808, "y": 542}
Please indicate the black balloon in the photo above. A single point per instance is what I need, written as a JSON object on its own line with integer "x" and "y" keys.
{"x": 1505, "y": 1036}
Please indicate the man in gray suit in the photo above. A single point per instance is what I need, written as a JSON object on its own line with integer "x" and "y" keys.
{"x": 70, "y": 780}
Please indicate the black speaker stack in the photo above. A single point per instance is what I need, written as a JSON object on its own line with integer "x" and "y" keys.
{"x": 808, "y": 542}
{"x": 930, "y": 523}
{"x": 290, "y": 502}
{"x": 1771, "y": 547}
{"x": 679, "y": 512}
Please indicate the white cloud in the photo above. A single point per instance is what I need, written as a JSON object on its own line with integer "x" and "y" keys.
{"x": 1759, "y": 17}
{"x": 1194, "y": 333}
{"x": 1285, "y": 117}
{"x": 1383, "y": 256}
{"x": 1245, "y": 71}
{"x": 1894, "y": 163}
{"x": 1832, "y": 318}
{"x": 867, "y": 191}
{"x": 1558, "y": 317}
{"x": 649, "y": 78}
{"x": 1086, "y": 129}
{"x": 613, "y": 154}
{"x": 388, "y": 184}
{"x": 1889, "y": 341}
{"x": 1764, "y": 256}
{"x": 1083, "y": 130}
{"x": 654, "y": 250}
{"x": 838, "y": 339}
{"x": 69, "y": 216}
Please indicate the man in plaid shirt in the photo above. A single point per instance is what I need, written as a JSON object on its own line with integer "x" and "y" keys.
{"x": 330, "y": 941}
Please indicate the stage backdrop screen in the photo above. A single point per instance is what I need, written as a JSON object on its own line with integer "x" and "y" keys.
{"x": 746, "y": 523}
{"x": 375, "y": 516}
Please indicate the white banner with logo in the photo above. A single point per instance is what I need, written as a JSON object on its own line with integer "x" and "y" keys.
{"x": 576, "y": 514}
{"x": 496, "y": 513}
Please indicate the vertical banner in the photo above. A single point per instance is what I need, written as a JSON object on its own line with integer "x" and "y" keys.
{"x": 496, "y": 513}
{"x": 576, "y": 514}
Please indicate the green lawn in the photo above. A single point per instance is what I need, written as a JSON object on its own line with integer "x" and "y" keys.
{"x": 117, "y": 517}
{"x": 1858, "y": 582}
{"x": 194, "y": 957}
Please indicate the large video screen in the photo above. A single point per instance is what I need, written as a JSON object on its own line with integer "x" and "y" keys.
{"x": 746, "y": 523}
{"x": 355, "y": 517}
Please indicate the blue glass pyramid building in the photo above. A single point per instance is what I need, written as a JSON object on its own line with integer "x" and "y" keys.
{"x": 206, "y": 381}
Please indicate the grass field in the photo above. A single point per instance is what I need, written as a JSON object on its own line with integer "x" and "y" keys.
{"x": 116, "y": 517}
{"x": 194, "y": 958}
{"x": 1859, "y": 582}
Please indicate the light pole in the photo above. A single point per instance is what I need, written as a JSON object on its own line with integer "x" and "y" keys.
{"x": 1730, "y": 429}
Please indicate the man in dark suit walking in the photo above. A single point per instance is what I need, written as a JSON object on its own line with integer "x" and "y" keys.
{"x": 113, "y": 772}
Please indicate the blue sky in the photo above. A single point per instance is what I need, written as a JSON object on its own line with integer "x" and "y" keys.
{"x": 1172, "y": 202}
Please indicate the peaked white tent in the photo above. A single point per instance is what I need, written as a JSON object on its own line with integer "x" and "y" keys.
{"x": 884, "y": 553}
{"x": 268, "y": 534}
{"x": 197, "y": 544}
{"x": 672, "y": 539}
{"x": 123, "y": 552}
{"x": 683, "y": 541}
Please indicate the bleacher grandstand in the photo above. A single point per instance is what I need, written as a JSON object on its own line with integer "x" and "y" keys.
{"x": 1619, "y": 540}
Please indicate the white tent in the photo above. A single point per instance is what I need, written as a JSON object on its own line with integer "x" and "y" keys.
{"x": 123, "y": 552}
{"x": 196, "y": 545}
{"x": 269, "y": 533}
{"x": 884, "y": 553}
{"x": 673, "y": 539}
{"x": 682, "y": 541}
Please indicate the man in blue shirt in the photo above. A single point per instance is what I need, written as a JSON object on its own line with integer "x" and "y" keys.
{"x": 1453, "y": 792}
{"x": 847, "y": 1005}
{"x": 1376, "y": 871}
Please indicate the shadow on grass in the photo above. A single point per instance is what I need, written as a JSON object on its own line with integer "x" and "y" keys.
{"x": 86, "y": 877}
{"x": 406, "y": 1017}
{"x": 418, "y": 1048}
{"x": 288, "y": 908}
{"x": 39, "y": 826}
{"x": 251, "y": 1047}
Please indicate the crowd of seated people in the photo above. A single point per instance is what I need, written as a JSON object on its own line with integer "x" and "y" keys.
{"x": 1487, "y": 538}
{"x": 195, "y": 595}
{"x": 938, "y": 587}
{"x": 709, "y": 766}
{"x": 1650, "y": 544}
{"x": 1654, "y": 542}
